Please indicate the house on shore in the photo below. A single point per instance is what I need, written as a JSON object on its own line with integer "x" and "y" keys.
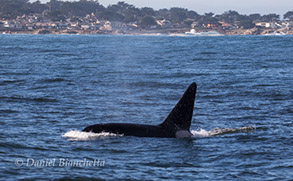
{"x": 272, "y": 25}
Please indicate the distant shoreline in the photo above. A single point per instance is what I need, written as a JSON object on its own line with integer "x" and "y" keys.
{"x": 178, "y": 32}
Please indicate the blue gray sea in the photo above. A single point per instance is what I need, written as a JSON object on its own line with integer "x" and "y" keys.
{"x": 53, "y": 86}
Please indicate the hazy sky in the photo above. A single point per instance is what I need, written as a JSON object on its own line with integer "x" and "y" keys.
{"x": 216, "y": 6}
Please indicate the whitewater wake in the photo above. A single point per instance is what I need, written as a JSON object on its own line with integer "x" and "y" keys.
{"x": 220, "y": 131}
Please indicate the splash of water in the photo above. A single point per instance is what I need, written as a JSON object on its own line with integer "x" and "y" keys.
{"x": 75, "y": 135}
{"x": 220, "y": 131}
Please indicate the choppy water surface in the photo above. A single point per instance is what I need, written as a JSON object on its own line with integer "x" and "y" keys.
{"x": 53, "y": 86}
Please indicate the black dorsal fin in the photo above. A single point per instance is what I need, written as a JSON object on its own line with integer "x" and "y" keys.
{"x": 180, "y": 117}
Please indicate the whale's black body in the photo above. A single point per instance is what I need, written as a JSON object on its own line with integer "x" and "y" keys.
{"x": 176, "y": 124}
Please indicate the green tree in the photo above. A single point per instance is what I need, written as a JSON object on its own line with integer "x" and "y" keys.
{"x": 132, "y": 15}
{"x": 270, "y": 17}
{"x": 254, "y": 17}
{"x": 56, "y": 16}
{"x": 54, "y": 5}
{"x": 289, "y": 15}
{"x": 229, "y": 17}
{"x": 192, "y": 15}
{"x": 147, "y": 12}
{"x": 80, "y": 8}
{"x": 10, "y": 9}
{"x": 163, "y": 14}
{"x": 208, "y": 18}
{"x": 177, "y": 15}
{"x": 129, "y": 12}
{"x": 147, "y": 21}
{"x": 110, "y": 16}
{"x": 246, "y": 24}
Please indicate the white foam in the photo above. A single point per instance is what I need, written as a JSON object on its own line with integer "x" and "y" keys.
{"x": 199, "y": 133}
{"x": 81, "y": 135}
{"x": 219, "y": 131}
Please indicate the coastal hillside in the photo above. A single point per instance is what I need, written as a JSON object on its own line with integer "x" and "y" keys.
{"x": 90, "y": 17}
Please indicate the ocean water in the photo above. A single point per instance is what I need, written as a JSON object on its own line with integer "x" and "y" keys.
{"x": 52, "y": 86}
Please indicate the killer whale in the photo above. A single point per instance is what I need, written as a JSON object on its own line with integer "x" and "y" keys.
{"x": 176, "y": 124}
